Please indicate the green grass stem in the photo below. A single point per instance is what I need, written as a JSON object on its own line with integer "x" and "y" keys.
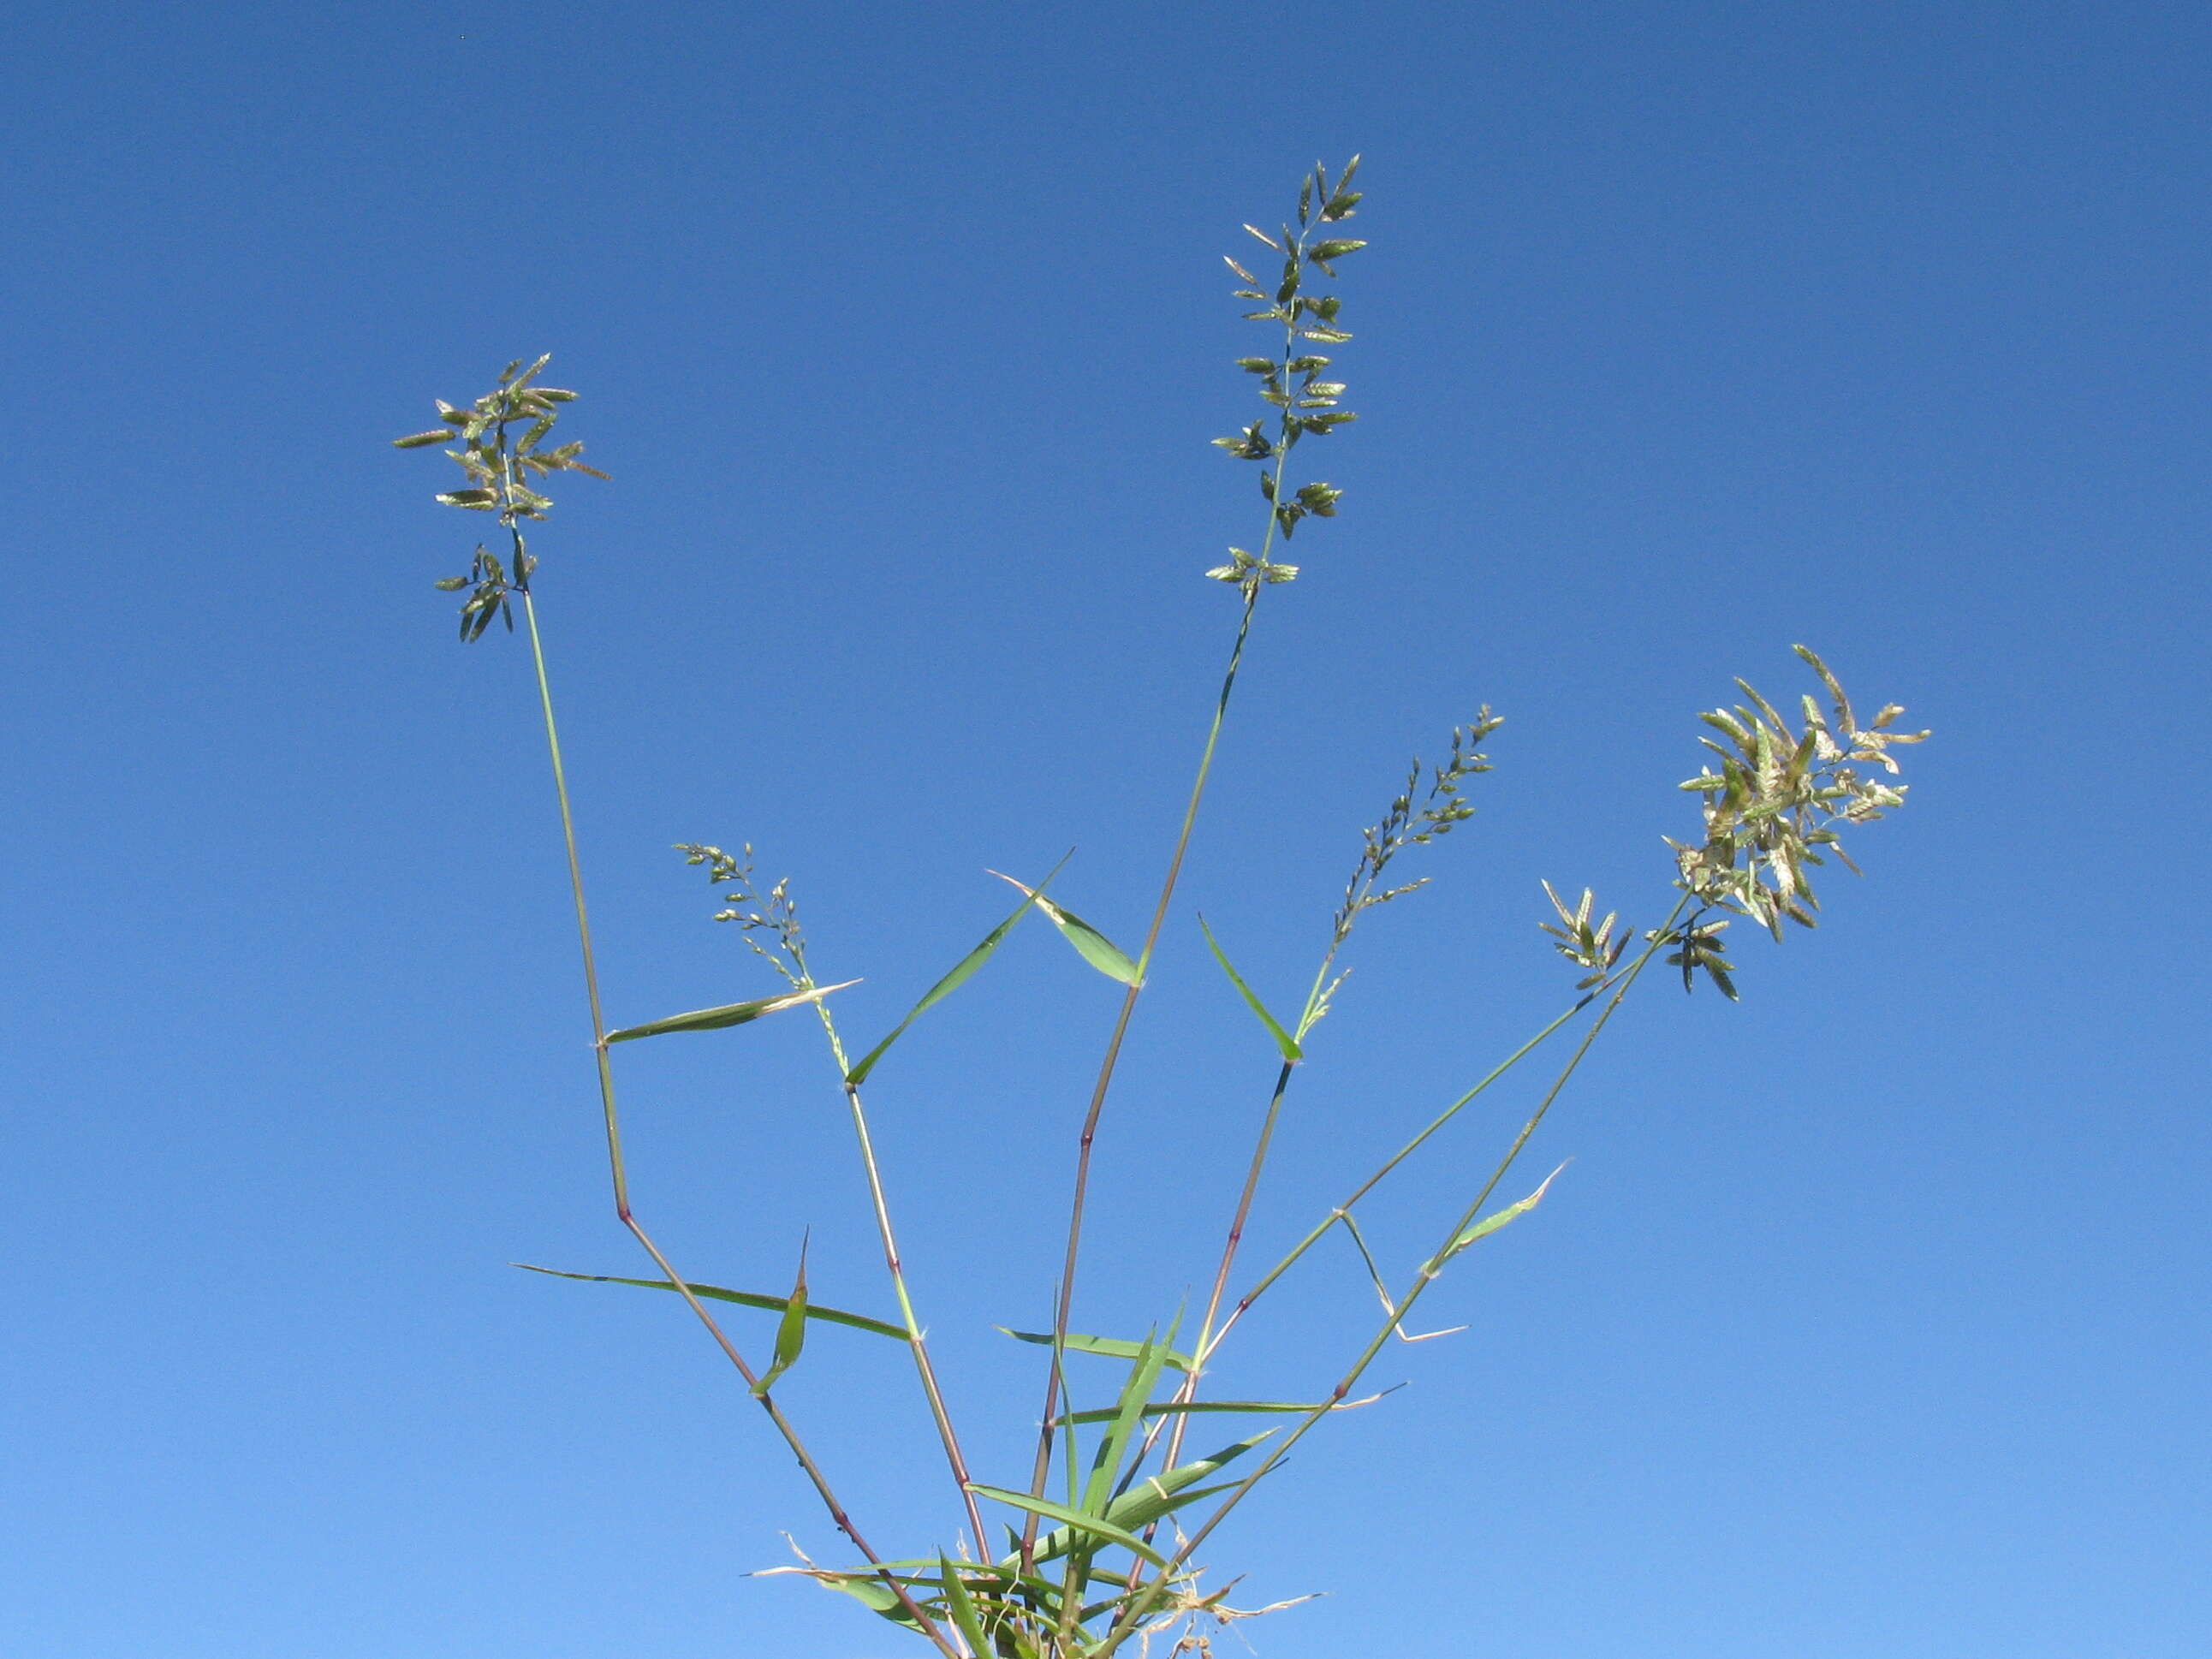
{"x": 813, "y": 1470}
{"x": 916, "y": 1344}
{"x": 1140, "y": 1605}
{"x": 1064, "y": 1300}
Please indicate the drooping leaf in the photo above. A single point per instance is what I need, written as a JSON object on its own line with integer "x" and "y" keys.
{"x": 962, "y": 972}
{"x": 1284, "y": 1041}
{"x": 1093, "y": 946}
{"x": 869, "y": 1590}
{"x": 1109, "y": 1347}
{"x": 735, "y": 1013}
{"x": 743, "y": 1299}
{"x": 1073, "y": 1521}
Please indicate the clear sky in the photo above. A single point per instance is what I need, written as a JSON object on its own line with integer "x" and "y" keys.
{"x": 1870, "y": 1316}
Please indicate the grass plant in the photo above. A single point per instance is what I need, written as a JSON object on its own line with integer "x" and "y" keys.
{"x": 1095, "y": 1547}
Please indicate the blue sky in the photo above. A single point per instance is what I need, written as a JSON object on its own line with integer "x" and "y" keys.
{"x": 1869, "y": 1315}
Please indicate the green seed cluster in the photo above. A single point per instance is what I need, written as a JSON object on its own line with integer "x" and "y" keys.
{"x": 497, "y": 466}
{"x": 1292, "y": 383}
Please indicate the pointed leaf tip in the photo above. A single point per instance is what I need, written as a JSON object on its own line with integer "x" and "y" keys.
{"x": 733, "y": 1013}
{"x": 963, "y": 971}
{"x": 1284, "y": 1043}
{"x": 1093, "y": 946}
{"x": 1505, "y": 1217}
{"x": 790, "y": 1330}
{"x": 742, "y": 1298}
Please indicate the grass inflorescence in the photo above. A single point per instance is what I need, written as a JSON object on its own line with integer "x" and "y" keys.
{"x": 1095, "y": 1546}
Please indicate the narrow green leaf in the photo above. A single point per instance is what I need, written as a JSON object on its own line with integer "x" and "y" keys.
{"x": 1158, "y": 1495}
{"x": 1284, "y": 1041}
{"x": 790, "y": 1331}
{"x": 735, "y": 1013}
{"x": 1136, "y": 1394}
{"x": 1148, "y": 1505}
{"x": 1182, "y": 1407}
{"x": 1073, "y": 1520}
{"x": 1111, "y": 1347}
{"x": 872, "y": 1593}
{"x": 743, "y": 1299}
{"x": 960, "y": 975}
{"x": 1505, "y": 1217}
{"x": 1093, "y": 946}
{"x": 962, "y": 1607}
{"x": 420, "y": 440}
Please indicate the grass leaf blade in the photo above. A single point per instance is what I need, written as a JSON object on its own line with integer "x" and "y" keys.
{"x": 732, "y": 1014}
{"x": 743, "y": 1299}
{"x": 962, "y": 1606}
{"x": 1109, "y": 1347}
{"x": 962, "y": 972}
{"x": 1284, "y": 1041}
{"x": 790, "y": 1331}
{"x": 1129, "y": 1413}
{"x": 1510, "y": 1213}
{"x": 1233, "y": 1407}
{"x": 1093, "y": 946}
{"x": 1074, "y": 1520}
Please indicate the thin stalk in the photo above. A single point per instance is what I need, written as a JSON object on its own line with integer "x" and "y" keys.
{"x": 1065, "y": 1300}
{"x": 1245, "y": 1302}
{"x": 1188, "y": 1391}
{"x": 620, "y": 1176}
{"x": 1355, "y": 900}
{"x": 915, "y": 1341}
{"x": 1139, "y": 1607}
{"x": 1210, "y": 1339}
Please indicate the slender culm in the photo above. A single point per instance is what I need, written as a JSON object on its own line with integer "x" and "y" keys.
{"x": 1103, "y": 1557}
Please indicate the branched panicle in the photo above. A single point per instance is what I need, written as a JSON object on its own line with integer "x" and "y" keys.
{"x": 1414, "y": 819}
{"x": 498, "y": 465}
{"x": 1771, "y": 809}
{"x": 1292, "y": 383}
{"x": 1411, "y": 822}
{"x": 771, "y": 915}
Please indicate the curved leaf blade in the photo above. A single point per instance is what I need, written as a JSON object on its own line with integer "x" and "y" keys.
{"x": 1073, "y": 1520}
{"x": 1093, "y": 946}
{"x": 1109, "y": 1347}
{"x": 790, "y": 1331}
